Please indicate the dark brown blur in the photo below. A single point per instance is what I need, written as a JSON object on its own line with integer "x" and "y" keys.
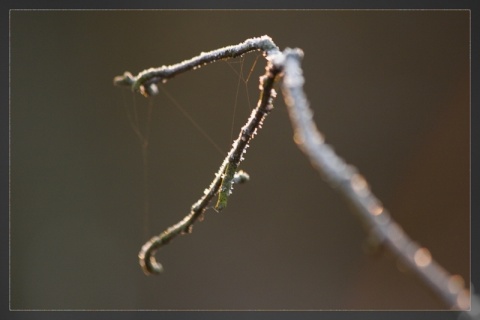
{"x": 390, "y": 90}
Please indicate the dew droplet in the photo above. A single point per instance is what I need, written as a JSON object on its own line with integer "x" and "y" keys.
{"x": 376, "y": 208}
{"x": 422, "y": 257}
{"x": 297, "y": 137}
{"x": 359, "y": 184}
{"x": 455, "y": 284}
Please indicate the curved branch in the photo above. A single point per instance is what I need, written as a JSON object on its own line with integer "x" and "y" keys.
{"x": 346, "y": 179}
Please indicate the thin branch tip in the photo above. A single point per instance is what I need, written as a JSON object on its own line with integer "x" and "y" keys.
{"x": 147, "y": 258}
{"x": 126, "y": 79}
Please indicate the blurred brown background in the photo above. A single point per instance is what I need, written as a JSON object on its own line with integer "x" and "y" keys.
{"x": 390, "y": 90}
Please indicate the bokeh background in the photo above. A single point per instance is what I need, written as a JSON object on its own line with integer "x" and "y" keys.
{"x": 390, "y": 90}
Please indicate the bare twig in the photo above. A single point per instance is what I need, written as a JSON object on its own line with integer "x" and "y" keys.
{"x": 354, "y": 188}
{"x": 145, "y": 82}
{"x": 227, "y": 174}
{"x": 344, "y": 178}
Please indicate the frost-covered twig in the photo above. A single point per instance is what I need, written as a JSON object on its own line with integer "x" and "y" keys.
{"x": 354, "y": 188}
{"x": 145, "y": 82}
{"x": 227, "y": 174}
{"x": 344, "y": 178}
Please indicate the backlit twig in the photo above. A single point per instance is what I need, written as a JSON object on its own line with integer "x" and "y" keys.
{"x": 343, "y": 177}
{"x": 145, "y": 82}
{"x": 354, "y": 188}
{"x": 227, "y": 174}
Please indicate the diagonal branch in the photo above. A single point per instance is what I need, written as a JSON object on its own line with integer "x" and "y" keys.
{"x": 346, "y": 179}
{"x": 224, "y": 179}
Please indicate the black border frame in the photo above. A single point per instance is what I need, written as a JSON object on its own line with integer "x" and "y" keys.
{"x": 6, "y": 6}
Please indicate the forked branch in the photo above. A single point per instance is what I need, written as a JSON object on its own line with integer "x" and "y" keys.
{"x": 344, "y": 178}
{"x": 227, "y": 174}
